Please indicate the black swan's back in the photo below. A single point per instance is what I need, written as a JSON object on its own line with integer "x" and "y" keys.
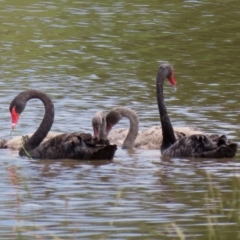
{"x": 80, "y": 146}
{"x": 202, "y": 146}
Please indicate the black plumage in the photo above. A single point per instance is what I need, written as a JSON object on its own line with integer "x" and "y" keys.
{"x": 77, "y": 145}
{"x": 199, "y": 146}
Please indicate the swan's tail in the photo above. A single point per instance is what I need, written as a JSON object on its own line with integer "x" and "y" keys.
{"x": 224, "y": 151}
{"x": 105, "y": 153}
{"x": 224, "y": 148}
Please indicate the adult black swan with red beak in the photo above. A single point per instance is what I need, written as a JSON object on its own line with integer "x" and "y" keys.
{"x": 197, "y": 145}
{"x": 77, "y": 145}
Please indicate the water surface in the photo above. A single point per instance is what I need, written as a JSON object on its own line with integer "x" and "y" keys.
{"x": 91, "y": 56}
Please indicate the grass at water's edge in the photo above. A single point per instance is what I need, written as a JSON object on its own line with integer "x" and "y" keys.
{"x": 219, "y": 206}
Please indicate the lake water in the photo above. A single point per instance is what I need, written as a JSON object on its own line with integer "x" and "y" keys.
{"x": 96, "y": 55}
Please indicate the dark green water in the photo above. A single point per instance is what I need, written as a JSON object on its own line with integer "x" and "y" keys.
{"x": 92, "y": 56}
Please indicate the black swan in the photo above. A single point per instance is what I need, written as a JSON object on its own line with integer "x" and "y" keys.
{"x": 199, "y": 145}
{"x": 80, "y": 146}
{"x": 132, "y": 138}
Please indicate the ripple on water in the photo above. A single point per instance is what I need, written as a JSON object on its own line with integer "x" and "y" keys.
{"x": 91, "y": 56}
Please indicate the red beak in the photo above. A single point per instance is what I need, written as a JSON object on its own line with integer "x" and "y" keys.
{"x": 15, "y": 117}
{"x": 172, "y": 81}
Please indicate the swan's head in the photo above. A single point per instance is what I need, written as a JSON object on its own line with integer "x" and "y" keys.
{"x": 112, "y": 118}
{"x": 16, "y": 108}
{"x": 99, "y": 125}
{"x": 169, "y": 73}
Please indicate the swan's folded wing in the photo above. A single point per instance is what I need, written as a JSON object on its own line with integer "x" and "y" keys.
{"x": 211, "y": 146}
{"x": 76, "y": 145}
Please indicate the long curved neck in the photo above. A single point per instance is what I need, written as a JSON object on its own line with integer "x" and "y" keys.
{"x": 167, "y": 129}
{"x": 134, "y": 126}
{"x": 46, "y": 123}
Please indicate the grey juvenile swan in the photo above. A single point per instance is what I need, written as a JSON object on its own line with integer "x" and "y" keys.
{"x": 126, "y": 140}
{"x": 16, "y": 142}
{"x": 79, "y": 146}
{"x": 197, "y": 145}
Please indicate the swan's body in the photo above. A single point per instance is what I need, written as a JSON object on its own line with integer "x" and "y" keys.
{"x": 150, "y": 138}
{"x": 80, "y": 146}
{"x": 16, "y": 142}
{"x": 198, "y": 145}
{"x": 147, "y": 139}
